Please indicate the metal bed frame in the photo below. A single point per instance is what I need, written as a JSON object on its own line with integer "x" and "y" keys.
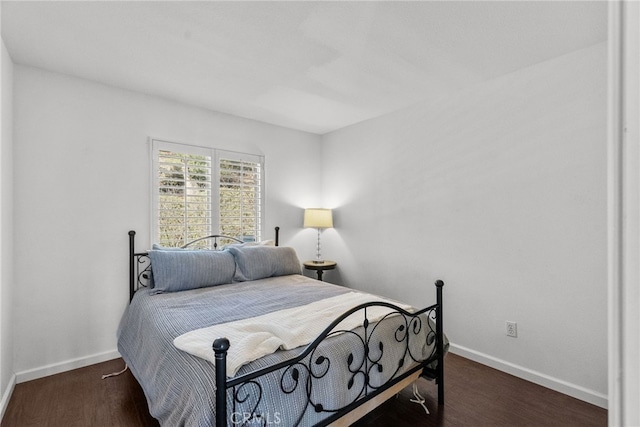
{"x": 309, "y": 366}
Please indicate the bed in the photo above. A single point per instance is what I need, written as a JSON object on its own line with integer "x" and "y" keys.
{"x": 174, "y": 336}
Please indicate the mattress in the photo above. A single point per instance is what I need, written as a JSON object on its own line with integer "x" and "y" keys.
{"x": 180, "y": 387}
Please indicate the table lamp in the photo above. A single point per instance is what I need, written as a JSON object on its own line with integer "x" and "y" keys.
{"x": 318, "y": 218}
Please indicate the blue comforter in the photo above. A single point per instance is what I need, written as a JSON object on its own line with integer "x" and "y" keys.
{"x": 180, "y": 388}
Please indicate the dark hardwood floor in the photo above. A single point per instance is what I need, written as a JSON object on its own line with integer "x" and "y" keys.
{"x": 475, "y": 396}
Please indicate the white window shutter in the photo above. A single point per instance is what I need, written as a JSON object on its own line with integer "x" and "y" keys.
{"x": 241, "y": 193}
{"x": 199, "y": 191}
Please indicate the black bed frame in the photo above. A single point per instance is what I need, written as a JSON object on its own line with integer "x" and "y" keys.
{"x": 307, "y": 367}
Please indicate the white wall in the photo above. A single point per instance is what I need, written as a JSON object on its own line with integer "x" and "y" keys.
{"x": 501, "y": 192}
{"x": 81, "y": 166}
{"x": 6, "y": 228}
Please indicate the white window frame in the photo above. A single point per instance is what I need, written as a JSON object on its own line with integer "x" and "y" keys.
{"x": 216, "y": 155}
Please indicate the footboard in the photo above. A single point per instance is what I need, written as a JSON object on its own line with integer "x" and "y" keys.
{"x": 374, "y": 365}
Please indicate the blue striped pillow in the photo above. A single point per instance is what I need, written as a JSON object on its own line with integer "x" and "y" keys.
{"x": 183, "y": 270}
{"x": 258, "y": 262}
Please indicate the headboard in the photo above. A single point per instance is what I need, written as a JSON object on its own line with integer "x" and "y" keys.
{"x": 140, "y": 263}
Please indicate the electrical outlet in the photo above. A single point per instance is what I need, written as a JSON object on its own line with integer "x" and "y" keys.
{"x": 512, "y": 329}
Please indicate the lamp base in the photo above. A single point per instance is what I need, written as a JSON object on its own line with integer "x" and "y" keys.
{"x": 318, "y": 261}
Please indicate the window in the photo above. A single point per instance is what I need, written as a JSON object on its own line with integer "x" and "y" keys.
{"x": 201, "y": 191}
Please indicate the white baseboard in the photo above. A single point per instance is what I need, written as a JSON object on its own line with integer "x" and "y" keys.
{"x": 556, "y": 384}
{"x": 6, "y": 396}
{"x": 56, "y": 368}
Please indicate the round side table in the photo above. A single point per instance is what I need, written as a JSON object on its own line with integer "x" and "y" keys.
{"x": 320, "y": 267}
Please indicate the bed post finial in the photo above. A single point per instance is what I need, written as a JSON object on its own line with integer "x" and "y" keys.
{"x": 440, "y": 342}
{"x": 220, "y": 347}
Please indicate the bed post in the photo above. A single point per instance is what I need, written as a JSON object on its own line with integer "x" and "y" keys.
{"x": 132, "y": 273}
{"x": 440, "y": 343}
{"x": 277, "y": 236}
{"x": 220, "y": 347}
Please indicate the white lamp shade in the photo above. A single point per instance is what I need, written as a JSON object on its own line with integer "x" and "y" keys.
{"x": 318, "y": 218}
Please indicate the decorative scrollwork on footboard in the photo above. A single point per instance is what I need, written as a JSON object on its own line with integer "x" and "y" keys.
{"x": 338, "y": 371}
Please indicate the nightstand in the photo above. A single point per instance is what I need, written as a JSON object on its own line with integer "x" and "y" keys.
{"x": 320, "y": 267}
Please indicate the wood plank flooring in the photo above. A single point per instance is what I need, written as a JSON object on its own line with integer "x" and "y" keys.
{"x": 475, "y": 395}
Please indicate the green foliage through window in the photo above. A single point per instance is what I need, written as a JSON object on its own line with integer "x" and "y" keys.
{"x": 198, "y": 193}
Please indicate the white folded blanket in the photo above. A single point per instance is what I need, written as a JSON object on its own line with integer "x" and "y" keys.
{"x": 287, "y": 329}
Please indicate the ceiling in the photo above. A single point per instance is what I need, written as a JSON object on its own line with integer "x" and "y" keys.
{"x": 312, "y": 66}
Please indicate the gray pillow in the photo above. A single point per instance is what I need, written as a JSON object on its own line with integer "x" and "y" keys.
{"x": 157, "y": 247}
{"x": 258, "y": 262}
{"x": 183, "y": 270}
